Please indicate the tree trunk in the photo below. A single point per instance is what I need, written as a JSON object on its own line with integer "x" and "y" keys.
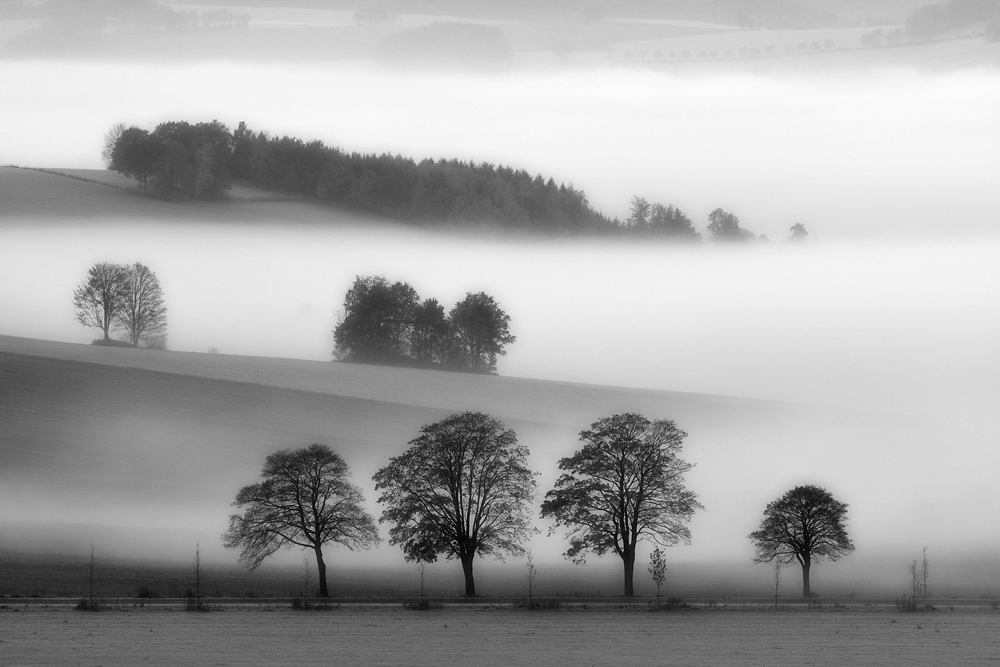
{"x": 470, "y": 582}
{"x": 321, "y": 569}
{"x": 805, "y": 578}
{"x": 628, "y": 557}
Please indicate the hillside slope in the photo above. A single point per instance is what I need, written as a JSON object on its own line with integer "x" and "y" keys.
{"x": 156, "y": 444}
{"x": 82, "y": 194}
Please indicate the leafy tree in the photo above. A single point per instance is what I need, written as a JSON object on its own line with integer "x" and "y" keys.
{"x": 305, "y": 500}
{"x": 481, "y": 331}
{"x": 430, "y": 335}
{"x": 98, "y": 299}
{"x": 638, "y": 219}
{"x": 798, "y": 232}
{"x": 136, "y": 155}
{"x": 670, "y": 221}
{"x": 462, "y": 488}
{"x": 725, "y": 227}
{"x": 141, "y": 315}
{"x": 378, "y": 317}
{"x": 805, "y": 524}
{"x": 625, "y": 484}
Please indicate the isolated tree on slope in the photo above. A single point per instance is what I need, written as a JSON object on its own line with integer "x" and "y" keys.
{"x": 625, "y": 484}
{"x": 142, "y": 314}
{"x": 805, "y": 524}
{"x": 462, "y": 488}
{"x": 305, "y": 500}
{"x": 98, "y": 299}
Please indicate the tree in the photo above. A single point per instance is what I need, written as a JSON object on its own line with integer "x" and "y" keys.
{"x": 725, "y": 227}
{"x": 430, "y": 334}
{"x": 625, "y": 484}
{"x": 481, "y": 330}
{"x": 136, "y": 154}
{"x": 462, "y": 488}
{"x": 670, "y": 221}
{"x": 658, "y": 568}
{"x": 98, "y": 299}
{"x": 805, "y": 524}
{"x": 798, "y": 232}
{"x": 377, "y": 320}
{"x": 110, "y": 140}
{"x": 142, "y": 314}
{"x": 638, "y": 219}
{"x": 305, "y": 500}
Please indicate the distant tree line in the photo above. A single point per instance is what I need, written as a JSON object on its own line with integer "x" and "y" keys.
{"x": 126, "y": 299}
{"x": 388, "y": 324}
{"x": 178, "y": 160}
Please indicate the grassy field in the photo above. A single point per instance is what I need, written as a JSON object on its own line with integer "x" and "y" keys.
{"x": 80, "y": 194}
{"x": 494, "y": 636}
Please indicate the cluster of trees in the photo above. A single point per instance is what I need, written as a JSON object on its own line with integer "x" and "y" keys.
{"x": 387, "y": 323}
{"x": 126, "y": 298}
{"x": 669, "y": 222}
{"x": 177, "y": 160}
{"x": 463, "y": 488}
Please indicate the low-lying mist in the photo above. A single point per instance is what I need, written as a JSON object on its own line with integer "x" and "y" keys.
{"x": 884, "y": 153}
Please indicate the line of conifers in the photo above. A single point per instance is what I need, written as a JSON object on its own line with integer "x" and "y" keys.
{"x": 381, "y": 323}
{"x": 463, "y": 488}
{"x": 178, "y": 160}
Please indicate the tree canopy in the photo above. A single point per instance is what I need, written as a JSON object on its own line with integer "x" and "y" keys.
{"x": 305, "y": 500}
{"x": 462, "y": 488}
{"x": 806, "y": 524}
{"x": 387, "y": 323}
{"x": 625, "y": 484}
{"x": 98, "y": 299}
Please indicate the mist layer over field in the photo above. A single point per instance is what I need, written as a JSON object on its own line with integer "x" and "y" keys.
{"x": 879, "y": 153}
{"x": 891, "y": 317}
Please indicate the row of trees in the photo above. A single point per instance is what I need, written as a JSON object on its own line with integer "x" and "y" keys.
{"x": 668, "y": 221}
{"x": 178, "y": 160}
{"x": 387, "y": 323}
{"x": 463, "y": 488}
{"x": 932, "y": 20}
{"x": 125, "y": 298}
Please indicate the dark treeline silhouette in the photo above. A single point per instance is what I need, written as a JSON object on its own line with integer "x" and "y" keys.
{"x": 387, "y": 323}
{"x": 178, "y": 160}
{"x": 401, "y": 188}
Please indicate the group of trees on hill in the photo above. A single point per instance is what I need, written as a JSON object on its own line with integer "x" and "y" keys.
{"x": 389, "y": 324}
{"x": 178, "y": 160}
{"x": 124, "y": 298}
{"x": 463, "y": 488}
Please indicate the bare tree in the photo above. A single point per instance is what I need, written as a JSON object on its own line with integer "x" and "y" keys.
{"x": 658, "y": 568}
{"x": 925, "y": 570}
{"x": 142, "y": 315}
{"x": 305, "y": 500}
{"x": 98, "y": 299}
{"x": 776, "y": 568}
{"x": 110, "y": 139}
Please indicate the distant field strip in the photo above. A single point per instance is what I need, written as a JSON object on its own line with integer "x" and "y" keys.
{"x": 353, "y": 636}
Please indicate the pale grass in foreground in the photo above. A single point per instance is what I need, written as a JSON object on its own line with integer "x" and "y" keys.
{"x": 492, "y": 636}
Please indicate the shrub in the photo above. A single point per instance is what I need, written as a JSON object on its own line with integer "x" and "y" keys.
{"x": 423, "y": 604}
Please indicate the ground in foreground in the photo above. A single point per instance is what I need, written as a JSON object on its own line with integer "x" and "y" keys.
{"x": 493, "y": 636}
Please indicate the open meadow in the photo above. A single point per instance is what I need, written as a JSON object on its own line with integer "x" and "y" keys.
{"x": 488, "y": 636}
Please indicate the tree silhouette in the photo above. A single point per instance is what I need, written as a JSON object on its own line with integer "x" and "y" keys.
{"x": 305, "y": 500}
{"x": 98, "y": 299}
{"x": 142, "y": 314}
{"x": 806, "y": 524}
{"x": 625, "y": 484}
{"x": 462, "y": 488}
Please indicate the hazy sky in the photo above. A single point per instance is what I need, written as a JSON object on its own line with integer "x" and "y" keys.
{"x": 894, "y": 309}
